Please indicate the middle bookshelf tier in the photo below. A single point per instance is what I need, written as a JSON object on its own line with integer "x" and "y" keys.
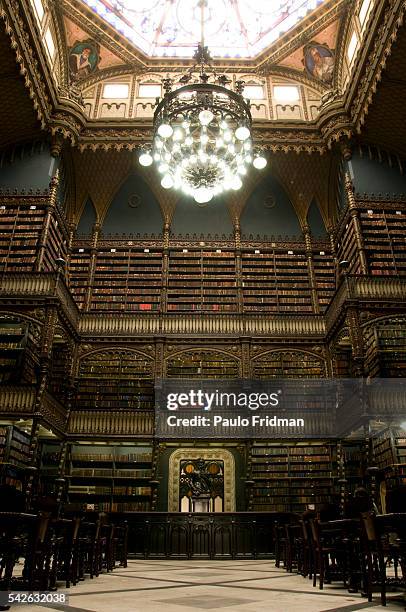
{"x": 292, "y": 477}
{"x": 110, "y": 477}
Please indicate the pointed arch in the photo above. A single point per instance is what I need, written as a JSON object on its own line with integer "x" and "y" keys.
{"x": 268, "y": 210}
{"x": 88, "y": 218}
{"x": 134, "y": 208}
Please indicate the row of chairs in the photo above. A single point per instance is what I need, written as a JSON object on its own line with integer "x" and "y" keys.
{"x": 364, "y": 554}
{"x": 40, "y": 552}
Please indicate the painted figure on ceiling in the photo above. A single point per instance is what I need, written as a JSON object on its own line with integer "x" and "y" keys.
{"x": 84, "y": 58}
{"x": 319, "y": 62}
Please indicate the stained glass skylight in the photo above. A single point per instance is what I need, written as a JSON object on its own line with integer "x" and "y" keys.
{"x": 232, "y": 28}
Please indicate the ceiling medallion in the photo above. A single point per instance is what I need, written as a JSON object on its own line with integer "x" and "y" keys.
{"x": 202, "y": 143}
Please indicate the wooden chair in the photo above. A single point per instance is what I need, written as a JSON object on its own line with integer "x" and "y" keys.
{"x": 373, "y": 558}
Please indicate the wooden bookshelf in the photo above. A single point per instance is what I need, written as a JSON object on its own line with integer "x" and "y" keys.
{"x": 14, "y": 455}
{"x": 115, "y": 380}
{"x": 13, "y": 342}
{"x": 50, "y": 456}
{"x": 20, "y": 230}
{"x": 79, "y": 273}
{"x": 347, "y": 246}
{"x": 290, "y": 477}
{"x": 389, "y": 451}
{"x": 185, "y": 279}
{"x": 288, "y": 364}
{"x": 276, "y": 280}
{"x": 110, "y": 478}
{"x": 205, "y": 364}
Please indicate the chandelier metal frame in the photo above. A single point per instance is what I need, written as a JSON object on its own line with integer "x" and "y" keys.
{"x": 202, "y": 142}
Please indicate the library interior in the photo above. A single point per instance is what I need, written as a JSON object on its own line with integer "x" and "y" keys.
{"x": 203, "y": 305}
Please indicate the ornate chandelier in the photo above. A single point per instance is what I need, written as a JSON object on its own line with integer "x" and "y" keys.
{"x": 202, "y": 143}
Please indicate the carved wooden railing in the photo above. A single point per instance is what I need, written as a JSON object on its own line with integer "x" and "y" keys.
{"x": 185, "y": 324}
{"x": 53, "y": 412}
{"x": 352, "y": 288}
{"x": 111, "y": 423}
{"x": 17, "y": 400}
{"x": 43, "y": 284}
{"x": 27, "y": 283}
{"x": 360, "y": 288}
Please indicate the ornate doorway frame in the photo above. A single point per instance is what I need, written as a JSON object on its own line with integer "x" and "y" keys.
{"x": 195, "y": 453}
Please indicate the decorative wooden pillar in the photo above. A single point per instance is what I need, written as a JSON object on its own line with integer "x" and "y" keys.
{"x": 356, "y": 339}
{"x": 165, "y": 269}
{"x": 310, "y": 268}
{"x": 92, "y": 266}
{"x": 342, "y": 482}
{"x": 48, "y": 332}
{"x": 330, "y": 231}
{"x": 71, "y": 235}
{"x": 245, "y": 358}
{"x": 238, "y": 267}
{"x": 49, "y": 212}
{"x": 356, "y": 224}
{"x": 159, "y": 358}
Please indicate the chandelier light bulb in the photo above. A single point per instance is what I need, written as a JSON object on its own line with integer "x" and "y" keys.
{"x": 236, "y": 183}
{"x": 165, "y": 130}
{"x": 204, "y": 139}
{"x": 203, "y": 195}
{"x": 206, "y": 117}
{"x": 167, "y": 182}
{"x": 227, "y": 136}
{"x": 178, "y": 134}
{"x": 145, "y": 159}
{"x": 242, "y": 133}
{"x": 189, "y": 141}
{"x": 259, "y": 162}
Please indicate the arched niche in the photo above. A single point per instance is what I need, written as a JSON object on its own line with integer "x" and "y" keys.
{"x": 115, "y": 379}
{"x": 202, "y": 364}
{"x": 268, "y": 211}
{"x": 288, "y": 364}
{"x": 87, "y": 219}
{"x": 315, "y": 221}
{"x": 191, "y": 218}
{"x": 133, "y": 210}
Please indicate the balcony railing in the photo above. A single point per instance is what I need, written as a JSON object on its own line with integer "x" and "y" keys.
{"x": 352, "y": 288}
{"x": 111, "y": 423}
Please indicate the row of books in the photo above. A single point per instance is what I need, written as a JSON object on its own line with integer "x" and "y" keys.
{"x": 110, "y": 473}
{"x": 128, "y": 457}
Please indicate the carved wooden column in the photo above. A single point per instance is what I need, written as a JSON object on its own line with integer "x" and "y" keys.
{"x": 159, "y": 358}
{"x": 310, "y": 268}
{"x": 356, "y": 339}
{"x": 92, "y": 266}
{"x": 238, "y": 266}
{"x": 330, "y": 231}
{"x": 245, "y": 358}
{"x": 356, "y": 224}
{"x": 71, "y": 235}
{"x": 48, "y": 332}
{"x": 165, "y": 269}
{"x": 50, "y": 208}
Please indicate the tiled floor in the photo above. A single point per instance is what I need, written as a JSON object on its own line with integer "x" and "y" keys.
{"x": 183, "y": 586}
